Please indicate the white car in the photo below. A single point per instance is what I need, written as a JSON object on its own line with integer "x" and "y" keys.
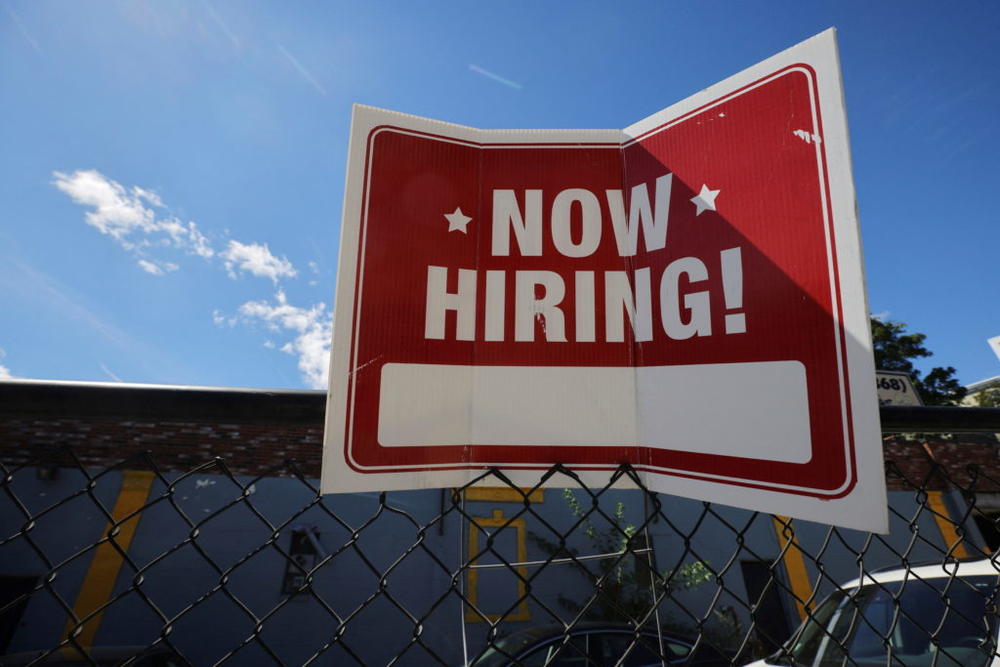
{"x": 942, "y": 614}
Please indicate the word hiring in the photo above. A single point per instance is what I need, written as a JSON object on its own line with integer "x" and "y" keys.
{"x": 539, "y": 294}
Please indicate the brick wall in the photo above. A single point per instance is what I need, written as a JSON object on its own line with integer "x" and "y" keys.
{"x": 247, "y": 449}
{"x": 971, "y": 461}
{"x": 259, "y": 448}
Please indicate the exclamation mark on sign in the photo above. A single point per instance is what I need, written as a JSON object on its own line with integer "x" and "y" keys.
{"x": 732, "y": 289}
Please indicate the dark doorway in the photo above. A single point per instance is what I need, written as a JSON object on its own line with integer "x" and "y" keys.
{"x": 986, "y": 522}
{"x": 764, "y": 594}
{"x": 11, "y": 588}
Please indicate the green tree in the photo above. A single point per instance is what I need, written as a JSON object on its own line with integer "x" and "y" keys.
{"x": 895, "y": 349}
{"x": 988, "y": 398}
{"x": 622, "y": 584}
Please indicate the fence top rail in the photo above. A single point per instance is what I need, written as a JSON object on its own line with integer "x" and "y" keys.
{"x": 938, "y": 419}
{"x": 43, "y": 399}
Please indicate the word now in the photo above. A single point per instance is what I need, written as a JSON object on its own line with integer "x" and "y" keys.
{"x": 527, "y": 224}
{"x": 539, "y": 294}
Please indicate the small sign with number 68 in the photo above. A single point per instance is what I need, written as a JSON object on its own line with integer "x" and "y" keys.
{"x": 896, "y": 388}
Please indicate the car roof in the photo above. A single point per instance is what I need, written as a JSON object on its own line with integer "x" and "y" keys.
{"x": 948, "y": 569}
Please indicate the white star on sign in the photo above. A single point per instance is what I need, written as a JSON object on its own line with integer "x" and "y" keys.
{"x": 457, "y": 221}
{"x": 705, "y": 200}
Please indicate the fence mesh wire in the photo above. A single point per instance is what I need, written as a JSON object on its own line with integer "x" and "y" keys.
{"x": 133, "y": 564}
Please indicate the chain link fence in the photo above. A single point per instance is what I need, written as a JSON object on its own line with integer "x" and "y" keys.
{"x": 144, "y": 561}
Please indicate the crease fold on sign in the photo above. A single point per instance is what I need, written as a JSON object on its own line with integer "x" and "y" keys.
{"x": 683, "y": 296}
{"x": 358, "y": 369}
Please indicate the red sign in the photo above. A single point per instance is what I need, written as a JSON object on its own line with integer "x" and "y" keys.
{"x": 684, "y": 295}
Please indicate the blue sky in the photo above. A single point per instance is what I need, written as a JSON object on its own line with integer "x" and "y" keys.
{"x": 172, "y": 172}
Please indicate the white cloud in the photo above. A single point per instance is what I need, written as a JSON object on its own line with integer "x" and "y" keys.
{"x": 223, "y": 26}
{"x": 219, "y": 319}
{"x": 24, "y": 31}
{"x": 139, "y": 221}
{"x": 496, "y": 77}
{"x": 109, "y": 373}
{"x": 150, "y": 267}
{"x": 312, "y": 329}
{"x": 256, "y": 259}
{"x": 128, "y": 216}
{"x": 199, "y": 244}
{"x": 5, "y": 373}
{"x": 157, "y": 268}
{"x": 187, "y": 237}
{"x": 301, "y": 69}
{"x": 116, "y": 211}
{"x": 150, "y": 196}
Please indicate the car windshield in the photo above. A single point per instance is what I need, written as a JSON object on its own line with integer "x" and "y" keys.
{"x": 591, "y": 646}
{"x": 505, "y": 648}
{"x": 931, "y": 621}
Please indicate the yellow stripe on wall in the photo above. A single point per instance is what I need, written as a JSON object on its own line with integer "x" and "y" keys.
{"x": 795, "y": 564}
{"x": 498, "y": 520}
{"x": 943, "y": 519}
{"x": 504, "y": 494}
{"x": 99, "y": 582}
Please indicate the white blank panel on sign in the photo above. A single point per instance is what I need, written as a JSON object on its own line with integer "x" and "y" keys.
{"x": 666, "y": 407}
